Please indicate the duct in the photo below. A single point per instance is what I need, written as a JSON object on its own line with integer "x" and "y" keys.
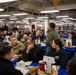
{"x": 28, "y": 6}
{"x": 61, "y": 7}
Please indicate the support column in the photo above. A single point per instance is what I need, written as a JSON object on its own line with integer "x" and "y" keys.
{"x": 46, "y": 25}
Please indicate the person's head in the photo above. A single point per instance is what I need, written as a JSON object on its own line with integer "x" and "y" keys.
{"x": 6, "y": 52}
{"x": 71, "y": 67}
{"x": 70, "y": 35}
{"x": 13, "y": 40}
{"x": 25, "y": 36}
{"x": 51, "y": 26}
{"x": 5, "y": 32}
{"x": 30, "y": 42}
{"x": 56, "y": 43}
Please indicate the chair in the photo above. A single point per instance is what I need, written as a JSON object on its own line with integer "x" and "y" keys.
{"x": 69, "y": 55}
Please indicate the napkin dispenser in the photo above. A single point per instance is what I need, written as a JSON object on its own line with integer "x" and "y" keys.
{"x": 49, "y": 61}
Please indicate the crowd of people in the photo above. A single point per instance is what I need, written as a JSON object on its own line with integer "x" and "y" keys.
{"x": 24, "y": 45}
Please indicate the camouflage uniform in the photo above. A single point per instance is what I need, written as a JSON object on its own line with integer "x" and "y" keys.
{"x": 18, "y": 49}
{"x": 52, "y": 34}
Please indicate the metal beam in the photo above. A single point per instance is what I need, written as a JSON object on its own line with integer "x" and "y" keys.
{"x": 62, "y": 1}
{"x": 39, "y": 2}
{"x": 49, "y": 1}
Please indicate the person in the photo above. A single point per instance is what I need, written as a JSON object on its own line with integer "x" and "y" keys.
{"x": 37, "y": 36}
{"x": 27, "y": 31}
{"x": 71, "y": 67}
{"x": 24, "y": 39}
{"x": 69, "y": 40}
{"x": 58, "y": 53}
{"x": 52, "y": 34}
{"x": 6, "y": 67}
{"x": 17, "y": 47}
{"x": 62, "y": 40}
{"x": 33, "y": 52}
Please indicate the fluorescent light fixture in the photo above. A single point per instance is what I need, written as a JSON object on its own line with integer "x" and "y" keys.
{"x": 2, "y": 19}
{"x": 1, "y": 9}
{"x": 73, "y": 19}
{"x": 18, "y": 21}
{"x": 4, "y": 15}
{"x": 50, "y": 11}
{"x": 51, "y": 21}
{"x": 69, "y": 18}
{"x": 11, "y": 22}
{"x": 14, "y": 18}
{"x": 4, "y": 1}
{"x": 39, "y": 20}
{"x": 62, "y": 16}
{"x": 29, "y": 18}
{"x": 20, "y": 14}
{"x": 65, "y": 9}
{"x": 25, "y": 21}
{"x": 44, "y": 17}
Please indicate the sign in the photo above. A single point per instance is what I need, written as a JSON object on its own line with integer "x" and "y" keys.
{"x": 56, "y": 1}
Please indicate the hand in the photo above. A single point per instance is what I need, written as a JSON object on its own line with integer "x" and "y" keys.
{"x": 16, "y": 56}
{"x": 29, "y": 48}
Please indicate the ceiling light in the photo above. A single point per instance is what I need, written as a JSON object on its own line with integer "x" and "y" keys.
{"x": 69, "y": 18}
{"x": 20, "y": 14}
{"x": 2, "y": 19}
{"x": 50, "y": 11}
{"x": 29, "y": 18}
{"x": 62, "y": 16}
{"x": 4, "y": 1}
{"x": 39, "y": 20}
{"x": 44, "y": 17}
{"x": 4, "y": 15}
{"x": 14, "y": 18}
{"x": 1, "y": 9}
{"x": 73, "y": 19}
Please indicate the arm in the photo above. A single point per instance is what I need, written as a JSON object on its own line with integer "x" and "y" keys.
{"x": 27, "y": 54}
{"x": 63, "y": 60}
{"x": 48, "y": 39}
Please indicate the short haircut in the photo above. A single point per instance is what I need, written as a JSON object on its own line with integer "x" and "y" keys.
{"x": 52, "y": 25}
{"x": 32, "y": 41}
{"x": 5, "y": 50}
{"x": 58, "y": 42}
{"x": 71, "y": 67}
{"x": 13, "y": 36}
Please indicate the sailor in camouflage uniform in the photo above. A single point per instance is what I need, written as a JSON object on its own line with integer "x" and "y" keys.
{"x": 17, "y": 47}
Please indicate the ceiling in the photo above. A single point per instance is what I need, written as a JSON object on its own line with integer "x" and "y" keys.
{"x": 35, "y": 6}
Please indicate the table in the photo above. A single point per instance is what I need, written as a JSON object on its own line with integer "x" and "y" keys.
{"x": 14, "y": 61}
{"x": 60, "y": 72}
{"x": 44, "y": 48}
{"x": 72, "y": 49}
